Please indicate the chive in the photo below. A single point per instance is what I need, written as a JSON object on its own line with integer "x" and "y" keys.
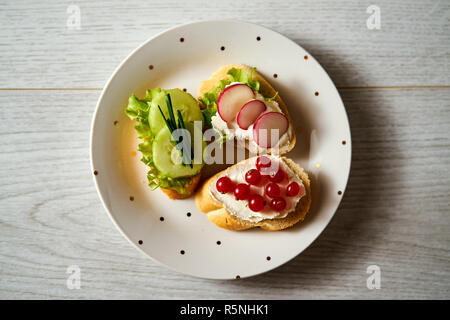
{"x": 185, "y": 140}
{"x": 169, "y": 106}
{"x": 172, "y": 125}
{"x": 169, "y": 125}
{"x": 183, "y": 146}
{"x": 180, "y": 120}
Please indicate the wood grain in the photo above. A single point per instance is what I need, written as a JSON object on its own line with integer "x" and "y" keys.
{"x": 411, "y": 48}
{"x": 394, "y": 213}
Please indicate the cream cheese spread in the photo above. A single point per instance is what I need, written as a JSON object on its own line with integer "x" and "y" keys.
{"x": 240, "y": 208}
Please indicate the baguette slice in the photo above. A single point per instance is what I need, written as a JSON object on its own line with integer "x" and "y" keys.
{"x": 265, "y": 89}
{"x": 190, "y": 188}
{"x": 218, "y": 215}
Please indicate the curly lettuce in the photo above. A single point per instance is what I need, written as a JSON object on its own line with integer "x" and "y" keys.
{"x": 138, "y": 109}
{"x": 209, "y": 99}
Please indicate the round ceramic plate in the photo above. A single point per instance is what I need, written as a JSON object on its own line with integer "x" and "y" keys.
{"x": 174, "y": 232}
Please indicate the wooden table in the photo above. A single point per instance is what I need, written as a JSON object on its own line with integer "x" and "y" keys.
{"x": 396, "y": 88}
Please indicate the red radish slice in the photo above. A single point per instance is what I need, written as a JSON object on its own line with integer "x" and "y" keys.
{"x": 269, "y": 128}
{"x": 232, "y": 99}
{"x": 249, "y": 113}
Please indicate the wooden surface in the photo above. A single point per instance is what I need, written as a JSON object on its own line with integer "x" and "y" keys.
{"x": 395, "y": 86}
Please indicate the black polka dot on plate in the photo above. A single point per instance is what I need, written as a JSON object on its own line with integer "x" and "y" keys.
{"x": 268, "y": 258}
{"x": 222, "y": 48}
{"x": 219, "y": 243}
{"x": 181, "y": 39}
{"x": 188, "y": 214}
{"x": 95, "y": 172}
{"x": 339, "y": 192}
{"x": 238, "y": 277}
{"x": 161, "y": 219}
{"x": 258, "y": 38}
{"x": 316, "y": 93}
{"x": 140, "y": 242}
{"x": 182, "y": 252}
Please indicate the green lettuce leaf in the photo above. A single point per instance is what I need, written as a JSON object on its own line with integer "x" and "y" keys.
{"x": 138, "y": 109}
{"x": 208, "y": 113}
{"x": 240, "y": 75}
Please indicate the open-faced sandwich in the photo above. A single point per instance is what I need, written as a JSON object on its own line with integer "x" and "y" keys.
{"x": 173, "y": 158}
{"x": 240, "y": 104}
{"x": 269, "y": 192}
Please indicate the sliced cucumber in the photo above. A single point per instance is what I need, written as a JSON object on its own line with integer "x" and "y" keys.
{"x": 167, "y": 158}
{"x": 181, "y": 100}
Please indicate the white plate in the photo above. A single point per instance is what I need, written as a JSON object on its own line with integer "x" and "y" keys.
{"x": 183, "y": 57}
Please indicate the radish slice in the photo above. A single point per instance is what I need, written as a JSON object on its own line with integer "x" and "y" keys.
{"x": 269, "y": 128}
{"x": 249, "y": 113}
{"x": 232, "y": 99}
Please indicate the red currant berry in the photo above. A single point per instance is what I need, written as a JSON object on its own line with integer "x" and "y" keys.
{"x": 272, "y": 190}
{"x": 224, "y": 185}
{"x": 262, "y": 162}
{"x": 253, "y": 176}
{"x": 277, "y": 176}
{"x": 292, "y": 189}
{"x": 256, "y": 203}
{"x": 278, "y": 204}
{"x": 242, "y": 191}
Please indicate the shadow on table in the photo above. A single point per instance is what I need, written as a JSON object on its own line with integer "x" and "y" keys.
{"x": 344, "y": 249}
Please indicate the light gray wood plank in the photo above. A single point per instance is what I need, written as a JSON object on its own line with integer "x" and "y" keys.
{"x": 395, "y": 212}
{"x": 411, "y": 48}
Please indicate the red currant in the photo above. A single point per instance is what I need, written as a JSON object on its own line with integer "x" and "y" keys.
{"x": 278, "y": 204}
{"x": 262, "y": 162}
{"x": 224, "y": 185}
{"x": 277, "y": 176}
{"x": 256, "y": 203}
{"x": 272, "y": 190}
{"x": 292, "y": 189}
{"x": 253, "y": 177}
{"x": 242, "y": 191}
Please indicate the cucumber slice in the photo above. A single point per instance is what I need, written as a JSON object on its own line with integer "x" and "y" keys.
{"x": 183, "y": 101}
{"x": 167, "y": 158}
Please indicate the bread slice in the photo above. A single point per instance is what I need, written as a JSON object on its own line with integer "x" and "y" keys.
{"x": 218, "y": 215}
{"x": 265, "y": 89}
{"x": 190, "y": 188}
